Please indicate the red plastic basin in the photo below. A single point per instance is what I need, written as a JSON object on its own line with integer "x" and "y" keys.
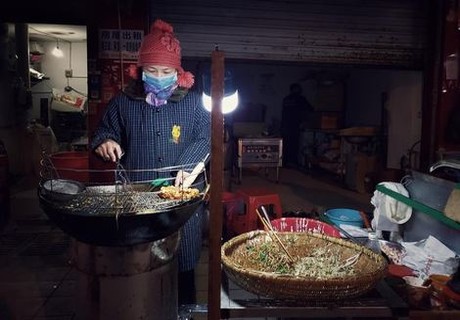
{"x": 72, "y": 165}
{"x": 292, "y": 224}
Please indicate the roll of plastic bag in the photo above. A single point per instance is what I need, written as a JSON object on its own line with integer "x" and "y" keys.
{"x": 393, "y": 210}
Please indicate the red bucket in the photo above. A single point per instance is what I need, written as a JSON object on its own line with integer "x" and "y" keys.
{"x": 304, "y": 224}
{"x": 72, "y": 165}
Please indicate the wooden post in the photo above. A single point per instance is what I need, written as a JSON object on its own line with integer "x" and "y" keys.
{"x": 216, "y": 210}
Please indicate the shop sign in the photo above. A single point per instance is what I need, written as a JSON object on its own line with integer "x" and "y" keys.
{"x": 119, "y": 44}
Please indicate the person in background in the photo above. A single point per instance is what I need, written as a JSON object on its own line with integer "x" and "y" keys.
{"x": 156, "y": 122}
{"x": 295, "y": 112}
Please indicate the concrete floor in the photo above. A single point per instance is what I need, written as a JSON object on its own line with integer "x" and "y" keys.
{"x": 37, "y": 282}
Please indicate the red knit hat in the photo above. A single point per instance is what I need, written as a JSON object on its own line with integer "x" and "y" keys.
{"x": 161, "y": 47}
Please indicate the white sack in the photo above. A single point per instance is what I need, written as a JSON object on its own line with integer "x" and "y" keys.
{"x": 429, "y": 256}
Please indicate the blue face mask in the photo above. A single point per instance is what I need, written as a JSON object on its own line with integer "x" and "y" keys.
{"x": 159, "y": 83}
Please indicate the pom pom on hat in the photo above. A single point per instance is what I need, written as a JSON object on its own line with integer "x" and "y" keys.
{"x": 162, "y": 25}
{"x": 132, "y": 71}
{"x": 161, "y": 47}
{"x": 185, "y": 79}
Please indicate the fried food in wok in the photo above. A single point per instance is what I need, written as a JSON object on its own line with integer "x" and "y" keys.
{"x": 178, "y": 193}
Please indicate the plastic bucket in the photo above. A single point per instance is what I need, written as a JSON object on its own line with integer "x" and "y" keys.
{"x": 304, "y": 224}
{"x": 72, "y": 165}
{"x": 345, "y": 216}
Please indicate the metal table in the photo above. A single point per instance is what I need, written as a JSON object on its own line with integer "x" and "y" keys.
{"x": 380, "y": 303}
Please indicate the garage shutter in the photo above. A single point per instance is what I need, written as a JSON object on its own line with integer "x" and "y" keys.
{"x": 366, "y": 32}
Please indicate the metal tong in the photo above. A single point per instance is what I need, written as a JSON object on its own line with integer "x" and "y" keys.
{"x": 121, "y": 177}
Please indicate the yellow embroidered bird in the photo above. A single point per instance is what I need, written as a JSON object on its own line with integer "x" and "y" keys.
{"x": 175, "y": 133}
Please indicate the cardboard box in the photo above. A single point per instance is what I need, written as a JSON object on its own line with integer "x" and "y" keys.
{"x": 324, "y": 120}
{"x": 360, "y": 172}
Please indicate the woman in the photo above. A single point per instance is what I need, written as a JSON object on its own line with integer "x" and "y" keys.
{"x": 157, "y": 122}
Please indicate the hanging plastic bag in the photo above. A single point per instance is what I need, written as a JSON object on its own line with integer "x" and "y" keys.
{"x": 389, "y": 213}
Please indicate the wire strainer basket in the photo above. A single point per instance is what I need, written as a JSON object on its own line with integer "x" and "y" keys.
{"x": 111, "y": 192}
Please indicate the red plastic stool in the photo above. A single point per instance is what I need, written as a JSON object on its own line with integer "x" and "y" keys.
{"x": 253, "y": 199}
{"x": 233, "y": 208}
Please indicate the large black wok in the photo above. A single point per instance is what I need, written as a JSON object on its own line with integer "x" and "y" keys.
{"x": 123, "y": 230}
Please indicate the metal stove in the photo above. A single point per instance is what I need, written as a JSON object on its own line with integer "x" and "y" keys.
{"x": 126, "y": 238}
{"x": 259, "y": 153}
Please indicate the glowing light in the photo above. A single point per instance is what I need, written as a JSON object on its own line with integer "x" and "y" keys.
{"x": 229, "y": 103}
{"x": 57, "y": 52}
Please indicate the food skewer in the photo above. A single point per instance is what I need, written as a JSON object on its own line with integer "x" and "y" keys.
{"x": 272, "y": 233}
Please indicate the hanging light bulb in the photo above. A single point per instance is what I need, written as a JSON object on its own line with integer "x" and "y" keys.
{"x": 57, "y": 52}
{"x": 229, "y": 103}
{"x": 230, "y": 99}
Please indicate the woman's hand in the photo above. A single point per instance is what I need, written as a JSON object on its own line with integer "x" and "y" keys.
{"x": 109, "y": 150}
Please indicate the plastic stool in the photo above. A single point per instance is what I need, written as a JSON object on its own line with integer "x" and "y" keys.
{"x": 253, "y": 199}
{"x": 233, "y": 206}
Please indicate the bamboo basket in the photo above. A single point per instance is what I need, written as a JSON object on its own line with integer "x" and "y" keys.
{"x": 245, "y": 272}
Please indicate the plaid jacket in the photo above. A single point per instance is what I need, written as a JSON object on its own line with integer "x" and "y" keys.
{"x": 177, "y": 133}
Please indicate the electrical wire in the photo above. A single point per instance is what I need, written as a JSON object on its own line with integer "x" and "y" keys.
{"x": 119, "y": 47}
{"x": 70, "y": 62}
{"x": 49, "y": 35}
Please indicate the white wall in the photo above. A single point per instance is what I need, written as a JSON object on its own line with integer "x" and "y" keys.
{"x": 404, "y": 102}
{"x": 405, "y": 115}
{"x": 54, "y": 68}
{"x": 75, "y": 60}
